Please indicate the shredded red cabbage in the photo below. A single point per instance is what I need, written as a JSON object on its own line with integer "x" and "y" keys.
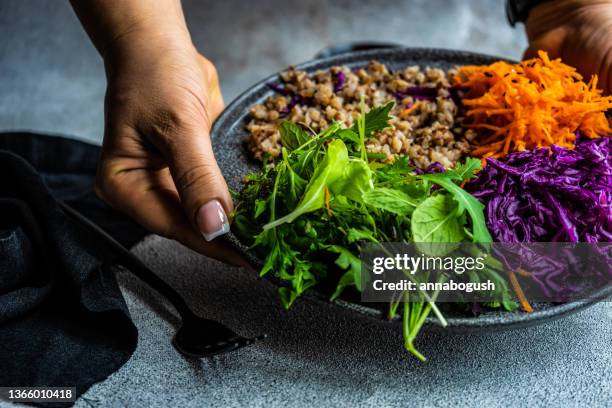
{"x": 435, "y": 167}
{"x": 294, "y": 99}
{"x": 556, "y": 195}
{"x": 340, "y": 81}
{"x": 279, "y": 89}
{"x": 418, "y": 93}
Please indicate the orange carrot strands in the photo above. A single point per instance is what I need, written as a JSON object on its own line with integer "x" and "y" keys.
{"x": 519, "y": 292}
{"x": 482, "y": 150}
{"x": 409, "y": 110}
{"x": 329, "y": 212}
{"x": 523, "y": 273}
{"x": 535, "y": 103}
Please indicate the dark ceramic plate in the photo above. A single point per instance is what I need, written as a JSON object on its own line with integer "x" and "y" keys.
{"x": 229, "y": 132}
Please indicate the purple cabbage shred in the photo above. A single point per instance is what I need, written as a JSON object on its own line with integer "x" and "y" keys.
{"x": 294, "y": 99}
{"x": 556, "y": 195}
{"x": 434, "y": 167}
{"x": 340, "y": 81}
{"x": 418, "y": 93}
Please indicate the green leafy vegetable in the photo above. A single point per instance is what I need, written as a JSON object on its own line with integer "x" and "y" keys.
{"x": 355, "y": 235}
{"x": 328, "y": 171}
{"x": 463, "y": 171}
{"x": 376, "y": 119}
{"x": 292, "y": 135}
{"x": 347, "y": 260}
{"x": 465, "y": 201}
{"x": 308, "y": 214}
{"x": 355, "y": 181}
{"x": 393, "y": 201}
{"x": 435, "y": 220}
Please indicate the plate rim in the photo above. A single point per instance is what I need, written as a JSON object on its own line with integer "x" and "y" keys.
{"x": 493, "y": 320}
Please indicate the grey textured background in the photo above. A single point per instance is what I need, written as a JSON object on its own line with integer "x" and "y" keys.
{"x": 51, "y": 80}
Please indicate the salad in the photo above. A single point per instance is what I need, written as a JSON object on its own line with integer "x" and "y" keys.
{"x": 540, "y": 170}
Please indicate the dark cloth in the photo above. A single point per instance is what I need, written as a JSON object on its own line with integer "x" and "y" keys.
{"x": 63, "y": 320}
{"x": 68, "y": 168}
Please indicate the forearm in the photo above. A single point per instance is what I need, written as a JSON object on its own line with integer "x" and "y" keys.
{"x": 108, "y": 22}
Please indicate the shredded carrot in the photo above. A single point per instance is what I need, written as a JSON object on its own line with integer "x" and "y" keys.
{"x": 519, "y": 292}
{"x": 409, "y": 110}
{"x": 535, "y": 103}
{"x": 327, "y": 201}
{"x": 523, "y": 273}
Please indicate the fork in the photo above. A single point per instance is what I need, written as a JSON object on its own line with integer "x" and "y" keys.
{"x": 196, "y": 337}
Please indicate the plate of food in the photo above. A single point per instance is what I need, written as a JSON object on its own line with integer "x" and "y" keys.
{"x": 415, "y": 145}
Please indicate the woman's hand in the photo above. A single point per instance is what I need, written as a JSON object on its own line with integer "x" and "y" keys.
{"x": 157, "y": 163}
{"x": 577, "y": 31}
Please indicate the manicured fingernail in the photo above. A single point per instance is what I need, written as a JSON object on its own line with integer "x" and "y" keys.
{"x": 211, "y": 220}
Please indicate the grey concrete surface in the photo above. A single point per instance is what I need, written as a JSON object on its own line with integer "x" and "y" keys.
{"x": 317, "y": 356}
{"x": 51, "y": 80}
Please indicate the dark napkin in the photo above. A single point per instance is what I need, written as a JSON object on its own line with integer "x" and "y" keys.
{"x": 63, "y": 320}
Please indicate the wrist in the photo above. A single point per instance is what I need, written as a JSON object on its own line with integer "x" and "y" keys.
{"x": 145, "y": 47}
{"x": 142, "y": 36}
{"x": 114, "y": 27}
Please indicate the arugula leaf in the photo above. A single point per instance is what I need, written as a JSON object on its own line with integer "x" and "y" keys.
{"x": 287, "y": 297}
{"x": 295, "y": 183}
{"x": 348, "y": 279}
{"x": 435, "y": 220}
{"x": 271, "y": 258}
{"x": 465, "y": 201}
{"x": 393, "y": 201}
{"x": 244, "y": 228}
{"x": 292, "y": 135}
{"x": 330, "y": 169}
{"x": 347, "y": 135}
{"x": 260, "y": 207}
{"x": 303, "y": 162}
{"x": 355, "y": 234}
{"x": 376, "y": 119}
{"x": 296, "y": 187}
{"x": 463, "y": 171}
{"x": 348, "y": 261}
{"x": 399, "y": 168}
{"x": 298, "y": 273}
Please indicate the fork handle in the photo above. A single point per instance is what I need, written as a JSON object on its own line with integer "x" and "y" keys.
{"x": 132, "y": 263}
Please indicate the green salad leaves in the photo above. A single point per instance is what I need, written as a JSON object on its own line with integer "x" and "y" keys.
{"x": 307, "y": 213}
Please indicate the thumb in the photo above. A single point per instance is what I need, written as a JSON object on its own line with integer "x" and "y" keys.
{"x": 202, "y": 189}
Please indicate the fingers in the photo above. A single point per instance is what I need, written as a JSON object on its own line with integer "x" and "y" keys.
{"x": 203, "y": 193}
{"x": 150, "y": 199}
{"x": 157, "y": 164}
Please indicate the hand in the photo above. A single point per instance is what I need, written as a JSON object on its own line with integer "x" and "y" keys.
{"x": 577, "y": 31}
{"x": 157, "y": 163}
